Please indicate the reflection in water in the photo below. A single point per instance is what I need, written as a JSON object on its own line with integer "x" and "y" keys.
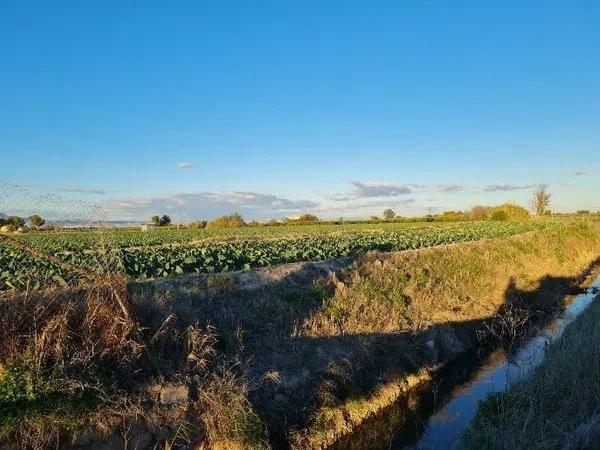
{"x": 499, "y": 371}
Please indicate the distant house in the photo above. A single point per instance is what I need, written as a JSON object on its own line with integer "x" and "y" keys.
{"x": 148, "y": 227}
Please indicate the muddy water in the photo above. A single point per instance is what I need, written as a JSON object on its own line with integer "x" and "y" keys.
{"x": 443, "y": 428}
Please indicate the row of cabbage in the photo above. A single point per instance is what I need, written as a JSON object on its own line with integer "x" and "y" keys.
{"x": 21, "y": 271}
{"x": 98, "y": 239}
{"x": 223, "y": 256}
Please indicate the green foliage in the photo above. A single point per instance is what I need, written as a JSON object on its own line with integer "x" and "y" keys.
{"x": 19, "y": 270}
{"x": 149, "y": 255}
{"x": 156, "y": 220}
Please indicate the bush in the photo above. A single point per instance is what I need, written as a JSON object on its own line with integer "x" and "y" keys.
{"x": 234, "y": 220}
{"x": 198, "y": 224}
{"x": 499, "y": 216}
{"x": 513, "y": 212}
{"x": 480, "y": 212}
{"x": 15, "y": 221}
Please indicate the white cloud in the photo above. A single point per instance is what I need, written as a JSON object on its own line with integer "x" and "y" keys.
{"x": 507, "y": 187}
{"x": 206, "y": 205}
{"x": 185, "y": 165}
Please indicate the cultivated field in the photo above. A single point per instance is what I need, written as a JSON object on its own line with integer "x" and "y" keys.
{"x": 340, "y": 354}
{"x": 38, "y": 260}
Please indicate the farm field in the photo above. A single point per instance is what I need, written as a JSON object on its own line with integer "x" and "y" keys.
{"x": 164, "y": 253}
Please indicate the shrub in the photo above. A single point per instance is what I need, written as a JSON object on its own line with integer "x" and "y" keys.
{"x": 234, "y": 220}
{"x": 479, "y": 212}
{"x": 198, "y": 224}
{"x": 512, "y": 211}
{"x": 499, "y": 215}
{"x": 15, "y": 221}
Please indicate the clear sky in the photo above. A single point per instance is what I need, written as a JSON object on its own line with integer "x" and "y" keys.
{"x": 272, "y": 108}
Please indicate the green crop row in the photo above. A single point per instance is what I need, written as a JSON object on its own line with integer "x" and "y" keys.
{"x": 245, "y": 254}
{"x": 111, "y": 238}
{"x": 20, "y": 271}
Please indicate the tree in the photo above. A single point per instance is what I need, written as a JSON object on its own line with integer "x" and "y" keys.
{"x": 37, "y": 221}
{"x": 164, "y": 221}
{"x": 541, "y": 200}
{"x": 156, "y": 220}
{"x": 389, "y": 214}
{"x": 15, "y": 221}
{"x": 308, "y": 218}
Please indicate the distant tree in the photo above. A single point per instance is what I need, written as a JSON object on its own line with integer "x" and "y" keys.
{"x": 15, "y": 221}
{"x": 547, "y": 212}
{"x": 37, "y": 221}
{"x": 541, "y": 200}
{"x": 308, "y": 218}
{"x": 2, "y": 221}
{"x": 583, "y": 211}
{"x": 164, "y": 221}
{"x": 389, "y": 214}
{"x": 156, "y": 220}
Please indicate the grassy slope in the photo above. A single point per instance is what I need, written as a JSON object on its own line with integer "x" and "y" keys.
{"x": 558, "y": 407}
{"x": 451, "y": 290}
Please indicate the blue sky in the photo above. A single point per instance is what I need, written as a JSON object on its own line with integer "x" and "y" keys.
{"x": 271, "y": 108}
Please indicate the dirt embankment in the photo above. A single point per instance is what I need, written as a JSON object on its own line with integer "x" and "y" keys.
{"x": 301, "y": 355}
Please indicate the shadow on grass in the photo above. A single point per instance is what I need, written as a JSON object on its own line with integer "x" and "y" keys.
{"x": 293, "y": 375}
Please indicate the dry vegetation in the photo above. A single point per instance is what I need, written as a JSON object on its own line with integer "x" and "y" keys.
{"x": 295, "y": 362}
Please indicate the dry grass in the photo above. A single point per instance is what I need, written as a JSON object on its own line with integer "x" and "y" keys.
{"x": 558, "y": 406}
{"x": 71, "y": 360}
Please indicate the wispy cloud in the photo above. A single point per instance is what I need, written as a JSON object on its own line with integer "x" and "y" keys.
{"x": 83, "y": 191}
{"x": 185, "y": 165}
{"x": 507, "y": 187}
{"x": 581, "y": 173}
{"x": 373, "y": 189}
{"x": 448, "y": 188}
{"x": 207, "y": 205}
